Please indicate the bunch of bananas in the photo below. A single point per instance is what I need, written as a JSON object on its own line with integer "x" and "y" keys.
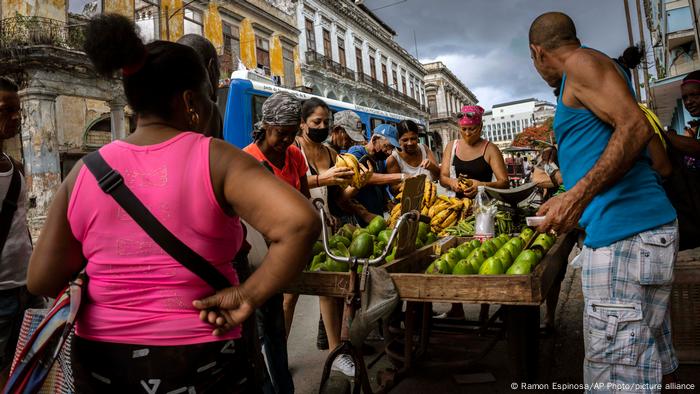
{"x": 464, "y": 182}
{"x": 362, "y": 173}
{"x": 429, "y": 198}
{"x": 446, "y": 212}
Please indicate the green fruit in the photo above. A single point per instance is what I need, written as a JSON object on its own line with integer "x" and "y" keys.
{"x": 480, "y": 254}
{"x": 336, "y": 239}
{"x": 474, "y": 243}
{"x": 527, "y": 256}
{"x": 452, "y": 258}
{"x": 342, "y": 250}
{"x": 384, "y": 236}
{"x": 443, "y": 267}
{"x": 419, "y": 243}
{"x": 423, "y": 230}
{"x": 543, "y": 241}
{"x": 506, "y": 258}
{"x": 376, "y": 225}
{"x": 498, "y": 242}
{"x": 361, "y": 246}
{"x": 359, "y": 231}
{"x": 334, "y": 266}
{"x": 431, "y": 269}
{"x": 489, "y": 247}
{"x": 518, "y": 242}
{"x": 463, "y": 268}
{"x": 464, "y": 250}
{"x": 391, "y": 256}
{"x": 346, "y": 231}
{"x": 430, "y": 238}
{"x": 475, "y": 263}
{"x": 512, "y": 248}
{"x": 526, "y": 234}
{"x": 320, "y": 268}
{"x": 504, "y": 237}
{"x": 317, "y": 248}
{"x": 521, "y": 268}
{"x": 491, "y": 266}
{"x": 539, "y": 253}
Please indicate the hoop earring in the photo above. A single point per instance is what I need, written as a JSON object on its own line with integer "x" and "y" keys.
{"x": 194, "y": 118}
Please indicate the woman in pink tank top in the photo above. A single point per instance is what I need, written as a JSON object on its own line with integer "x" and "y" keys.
{"x": 140, "y": 327}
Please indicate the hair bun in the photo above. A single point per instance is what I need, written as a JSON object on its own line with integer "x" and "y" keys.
{"x": 112, "y": 42}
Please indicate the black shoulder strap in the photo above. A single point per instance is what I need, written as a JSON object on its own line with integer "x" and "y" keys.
{"x": 112, "y": 183}
{"x": 9, "y": 206}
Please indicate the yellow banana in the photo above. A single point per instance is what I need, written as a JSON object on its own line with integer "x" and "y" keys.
{"x": 433, "y": 193}
{"x": 450, "y": 219}
{"x": 426, "y": 193}
{"x": 435, "y": 209}
{"x": 440, "y": 217}
{"x": 424, "y": 211}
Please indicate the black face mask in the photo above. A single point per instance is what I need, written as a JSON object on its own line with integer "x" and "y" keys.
{"x": 380, "y": 155}
{"x": 318, "y": 135}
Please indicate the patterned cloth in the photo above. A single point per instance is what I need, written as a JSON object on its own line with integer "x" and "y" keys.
{"x": 627, "y": 321}
{"x": 281, "y": 109}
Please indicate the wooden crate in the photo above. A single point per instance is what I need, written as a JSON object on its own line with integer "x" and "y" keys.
{"x": 685, "y": 307}
{"x": 532, "y": 289}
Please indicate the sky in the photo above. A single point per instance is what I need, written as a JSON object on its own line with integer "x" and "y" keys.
{"x": 484, "y": 42}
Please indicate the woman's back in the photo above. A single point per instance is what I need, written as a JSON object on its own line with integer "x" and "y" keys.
{"x": 136, "y": 292}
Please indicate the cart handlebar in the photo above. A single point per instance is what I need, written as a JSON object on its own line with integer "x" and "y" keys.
{"x": 411, "y": 216}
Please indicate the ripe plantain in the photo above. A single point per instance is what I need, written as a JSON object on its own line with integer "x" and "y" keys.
{"x": 450, "y": 219}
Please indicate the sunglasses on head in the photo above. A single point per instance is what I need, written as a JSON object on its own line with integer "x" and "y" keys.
{"x": 469, "y": 115}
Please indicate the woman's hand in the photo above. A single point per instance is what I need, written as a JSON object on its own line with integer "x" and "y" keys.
{"x": 429, "y": 165}
{"x": 473, "y": 187}
{"x": 335, "y": 176}
{"x": 226, "y": 309}
{"x": 455, "y": 186}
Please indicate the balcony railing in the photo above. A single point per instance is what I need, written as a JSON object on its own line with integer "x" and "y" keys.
{"x": 23, "y": 31}
{"x": 316, "y": 59}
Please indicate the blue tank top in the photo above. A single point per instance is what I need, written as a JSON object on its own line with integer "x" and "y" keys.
{"x": 636, "y": 203}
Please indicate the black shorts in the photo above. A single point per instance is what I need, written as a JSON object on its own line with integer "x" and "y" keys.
{"x": 214, "y": 367}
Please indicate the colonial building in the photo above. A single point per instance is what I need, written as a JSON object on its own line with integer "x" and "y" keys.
{"x": 507, "y": 120}
{"x": 68, "y": 110}
{"x": 446, "y": 95}
{"x": 673, "y": 27}
{"x": 349, "y": 54}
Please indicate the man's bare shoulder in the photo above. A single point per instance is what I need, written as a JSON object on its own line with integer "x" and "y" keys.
{"x": 586, "y": 64}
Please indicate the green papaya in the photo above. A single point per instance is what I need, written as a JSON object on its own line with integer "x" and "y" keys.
{"x": 361, "y": 246}
{"x": 376, "y": 225}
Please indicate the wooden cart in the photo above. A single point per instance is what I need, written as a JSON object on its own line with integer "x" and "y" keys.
{"x": 519, "y": 296}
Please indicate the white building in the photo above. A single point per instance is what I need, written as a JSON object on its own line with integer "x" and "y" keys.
{"x": 349, "y": 54}
{"x": 507, "y": 120}
{"x": 446, "y": 95}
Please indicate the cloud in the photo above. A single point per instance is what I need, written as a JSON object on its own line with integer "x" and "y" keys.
{"x": 484, "y": 42}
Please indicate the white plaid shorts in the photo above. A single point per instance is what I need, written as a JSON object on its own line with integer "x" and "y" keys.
{"x": 626, "y": 320}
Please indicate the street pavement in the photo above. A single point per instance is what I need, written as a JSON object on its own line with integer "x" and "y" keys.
{"x": 561, "y": 353}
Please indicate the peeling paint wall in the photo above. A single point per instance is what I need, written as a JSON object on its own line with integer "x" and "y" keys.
{"x": 247, "y": 34}
{"x": 73, "y": 115}
{"x": 13, "y": 147}
{"x": 54, "y": 9}
{"x": 297, "y": 67}
{"x": 276, "y": 62}
{"x": 172, "y": 23}
{"x": 213, "y": 29}
{"x": 124, "y": 7}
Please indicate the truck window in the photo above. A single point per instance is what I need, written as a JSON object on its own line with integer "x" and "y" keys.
{"x": 257, "y": 107}
{"x": 375, "y": 122}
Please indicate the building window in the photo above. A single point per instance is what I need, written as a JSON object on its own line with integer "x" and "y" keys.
{"x": 341, "y": 51}
{"x": 432, "y": 105}
{"x": 385, "y": 76}
{"x": 678, "y": 19}
{"x": 262, "y": 53}
{"x": 310, "y": 36}
{"x": 327, "y": 44}
{"x": 147, "y": 17}
{"x": 288, "y": 60}
{"x": 372, "y": 67}
{"x": 395, "y": 78}
{"x": 403, "y": 83}
{"x": 232, "y": 48}
{"x": 358, "y": 61}
{"x": 413, "y": 91}
{"x": 193, "y": 22}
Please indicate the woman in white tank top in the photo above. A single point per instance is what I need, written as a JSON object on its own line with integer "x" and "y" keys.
{"x": 414, "y": 158}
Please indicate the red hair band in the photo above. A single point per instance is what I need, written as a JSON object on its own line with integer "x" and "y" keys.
{"x": 688, "y": 82}
{"x": 133, "y": 68}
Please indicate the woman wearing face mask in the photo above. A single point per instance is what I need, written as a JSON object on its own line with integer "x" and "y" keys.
{"x": 414, "y": 158}
{"x": 315, "y": 125}
{"x": 472, "y": 157}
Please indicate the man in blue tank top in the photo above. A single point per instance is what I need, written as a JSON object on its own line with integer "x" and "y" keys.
{"x": 613, "y": 193}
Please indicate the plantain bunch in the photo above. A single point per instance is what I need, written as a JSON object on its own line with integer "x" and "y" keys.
{"x": 361, "y": 173}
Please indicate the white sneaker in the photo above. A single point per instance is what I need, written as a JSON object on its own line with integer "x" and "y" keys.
{"x": 344, "y": 365}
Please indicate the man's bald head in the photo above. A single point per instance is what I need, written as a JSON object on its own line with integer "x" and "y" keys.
{"x": 553, "y": 30}
{"x": 206, "y": 50}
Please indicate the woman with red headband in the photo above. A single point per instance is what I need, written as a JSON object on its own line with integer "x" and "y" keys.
{"x": 472, "y": 157}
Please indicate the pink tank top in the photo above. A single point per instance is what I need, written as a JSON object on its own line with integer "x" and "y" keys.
{"x": 136, "y": 292}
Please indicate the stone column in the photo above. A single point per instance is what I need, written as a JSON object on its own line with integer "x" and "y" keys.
{"x": 41, "y": 157}
{"x": 118, "y": 119}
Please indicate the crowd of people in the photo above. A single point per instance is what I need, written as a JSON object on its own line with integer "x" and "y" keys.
{"x": 149, "y": 318}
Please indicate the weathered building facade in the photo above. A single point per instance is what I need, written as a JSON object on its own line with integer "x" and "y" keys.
{"x": 446, "y": 95}
{"x": 349, "y": 54}
{"x": 68, "y": 110}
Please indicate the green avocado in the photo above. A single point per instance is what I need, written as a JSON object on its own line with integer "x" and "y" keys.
{"x": 463, "y": 268}
{"x": 384, "y": 236}
{"x": 520, "y": 268}
{"x": 346, "y": 231}
{"x": 361, "y": 246}
{"x": 430, "y": 238}
{"x": 423, "y": 230}
{"x": 491, "y": 266}
{"x": 376, "y": 225}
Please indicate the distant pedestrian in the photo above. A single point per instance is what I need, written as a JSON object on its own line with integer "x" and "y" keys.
{"x": 15, "y": 244}
{"x": 630, "y": 249}
{"x": 347, "y": 130}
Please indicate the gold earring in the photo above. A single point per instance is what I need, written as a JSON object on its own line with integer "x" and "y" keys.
{"x": 194, "y": 118}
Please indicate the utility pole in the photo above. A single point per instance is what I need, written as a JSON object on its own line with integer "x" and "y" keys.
{"x": 645, "y": 66}
{"x": 631, "y": 39}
